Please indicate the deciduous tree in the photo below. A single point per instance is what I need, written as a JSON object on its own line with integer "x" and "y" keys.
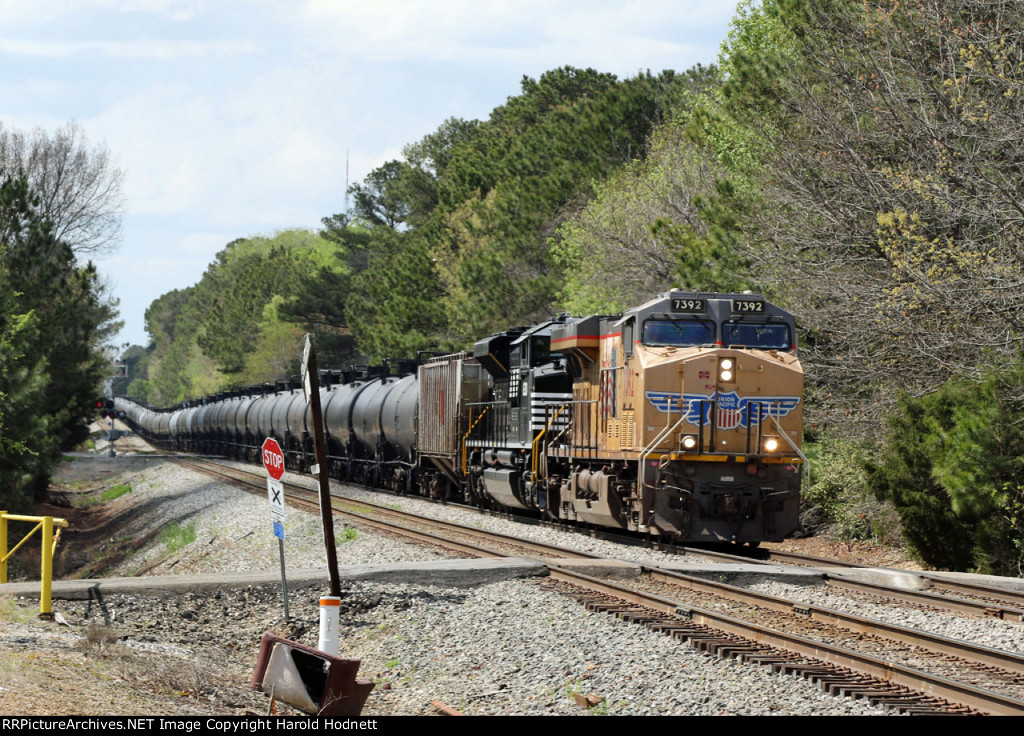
{"x": 79, "y": 187}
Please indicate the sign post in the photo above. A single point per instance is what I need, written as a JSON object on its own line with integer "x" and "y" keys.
{"x": 311, "y": 389}
{"x": 273, "y": 462}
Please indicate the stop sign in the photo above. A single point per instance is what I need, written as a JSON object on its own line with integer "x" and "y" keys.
{"x": 273, "y": 458}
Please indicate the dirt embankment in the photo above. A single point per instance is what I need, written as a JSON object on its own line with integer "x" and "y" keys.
{"x": 184, "y": 655}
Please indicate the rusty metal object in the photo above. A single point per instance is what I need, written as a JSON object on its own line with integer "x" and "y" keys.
{"x": 330, "y": 682}
{"x": 444, "y": 710}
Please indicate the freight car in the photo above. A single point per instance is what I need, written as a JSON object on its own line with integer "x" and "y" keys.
{"x": 680, "y": 418}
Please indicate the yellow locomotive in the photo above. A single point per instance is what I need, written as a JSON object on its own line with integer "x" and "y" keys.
{"x": 686, "y": 420}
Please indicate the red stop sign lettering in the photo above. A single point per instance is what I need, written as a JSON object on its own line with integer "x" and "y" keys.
{"x": 273, "y": 458}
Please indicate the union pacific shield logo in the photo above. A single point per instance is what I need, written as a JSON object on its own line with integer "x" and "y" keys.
{"x": 733, "y": 410}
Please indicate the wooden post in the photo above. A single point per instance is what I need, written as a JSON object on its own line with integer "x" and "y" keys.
{"x": 311, "y": 385}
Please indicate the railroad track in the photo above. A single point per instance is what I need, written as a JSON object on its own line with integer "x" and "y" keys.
{"x": 393, "y": 520}
{"x": 838, "y": 671}
{"x": 970, "y": 599}
{"x": 863, "y": 669}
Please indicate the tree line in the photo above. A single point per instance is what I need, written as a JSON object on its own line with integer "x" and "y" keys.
{"x": 58, "y": 200}
{"x": 857, "y": 162}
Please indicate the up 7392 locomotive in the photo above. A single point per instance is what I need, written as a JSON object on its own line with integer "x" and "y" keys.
{"x": 680, "y": 418}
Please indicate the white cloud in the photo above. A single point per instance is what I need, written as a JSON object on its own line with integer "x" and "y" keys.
{"x": 137, "y": 49}
{"x": 471, "y": 31}
{"x": 17, "y": 12}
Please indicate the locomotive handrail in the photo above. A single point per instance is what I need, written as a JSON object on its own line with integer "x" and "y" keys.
{"x": 469, "y": 431}
{"x": 536, "y": 440}
{"x": 654, "y": 444}
{"x": 586, "y": 424}
{"x": 803, "y": 458}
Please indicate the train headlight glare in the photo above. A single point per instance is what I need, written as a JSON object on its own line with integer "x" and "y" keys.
{"x": 771, "y": 444}
{"x": 726, "y": 375}
{"x": 689, "y": 442}
{"x": 726, "y": 364}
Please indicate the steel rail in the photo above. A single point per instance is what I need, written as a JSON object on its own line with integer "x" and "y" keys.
{"x": 929, "y": 685}
{"x": 920, "y": 597}
{"x": 257, "y": 480}
{"x": 988, "y": 656}
{"x": 983, "y": 591}
{"x": 937, "y": 582}
{"x": 232, "y": 474}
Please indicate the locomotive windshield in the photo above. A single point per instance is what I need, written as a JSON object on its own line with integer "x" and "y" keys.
{"x": 678, "y": 333}
{"x": 763, "y": 336}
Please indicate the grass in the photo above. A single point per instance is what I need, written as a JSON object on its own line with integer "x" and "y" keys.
{"x": 111, "y": 494}
{"x": 11, "y": 612}
{"x": 349, "y": 535}
{"x": 175, "y": 536}
{"x": 116, "y": 492}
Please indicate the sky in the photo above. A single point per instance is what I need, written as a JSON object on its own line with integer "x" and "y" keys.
{"x": 238, "y": 118}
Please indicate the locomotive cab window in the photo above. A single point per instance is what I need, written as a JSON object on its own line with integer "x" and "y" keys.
{"x": 540, "y": 350}
{"x": 756, "y": 335}
{"x": 681, "y": 333}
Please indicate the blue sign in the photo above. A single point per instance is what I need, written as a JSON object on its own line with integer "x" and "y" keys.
{"x": 279, "y": 530}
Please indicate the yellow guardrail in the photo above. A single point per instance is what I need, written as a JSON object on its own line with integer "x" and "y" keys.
{"x": 45, "y": 525}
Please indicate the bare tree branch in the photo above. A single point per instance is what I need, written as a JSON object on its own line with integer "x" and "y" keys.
{"x": 79, "y": 187}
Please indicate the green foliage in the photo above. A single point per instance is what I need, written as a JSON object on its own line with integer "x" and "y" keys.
{"x": 53, "y": 325}
{"x": 504, "y": 188}
{"x": 952, "y": 467}
{"x": 460, "y": 230}
{"x": 839, "y": 499}
{"x": 177, "y": 536}
{"x": 395, "y": 303}
{"x": 244, "y": 321}
{"x": 651, "y": 224}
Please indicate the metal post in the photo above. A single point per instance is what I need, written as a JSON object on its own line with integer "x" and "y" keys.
{"x": 284, "y": 579}
{"x": 45, "y": 607}
{"x": 3, "y": 547}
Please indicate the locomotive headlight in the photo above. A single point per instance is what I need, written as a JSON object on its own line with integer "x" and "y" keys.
{"x": 771, "y": 444}
{"x": 689, "y": 442}
{"x": 725, "y": 368}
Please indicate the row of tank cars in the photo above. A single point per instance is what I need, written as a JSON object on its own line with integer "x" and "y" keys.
{"x": 680, "y": 418}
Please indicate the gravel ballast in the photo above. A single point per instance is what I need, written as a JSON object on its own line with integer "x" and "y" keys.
{"x": 514, "y": 647}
